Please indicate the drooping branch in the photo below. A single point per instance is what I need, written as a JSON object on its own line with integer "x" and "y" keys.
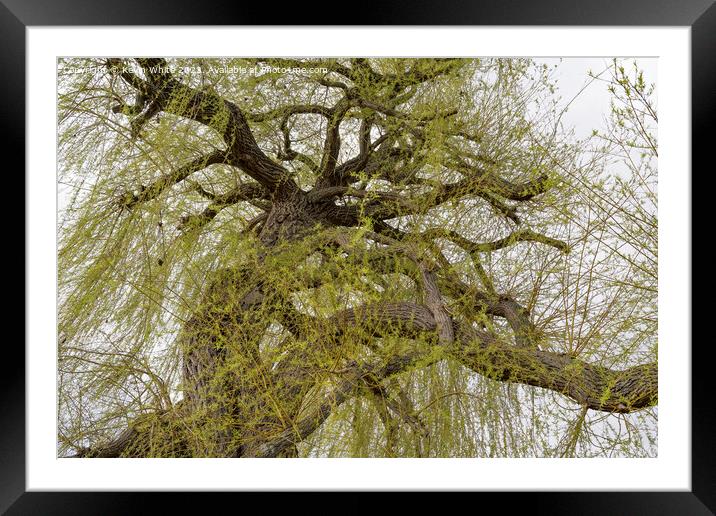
{"x": 597, "y": 387}
{"x": 523, "y": 191}
{"x": 284, "y": 111}
{"x": 147, "y": 193}
{"x": 251, "y": 192}
{"x": 353, "y": 379}
{"x": 387, "y": 209}
{"x": 214, "y": 111}
{"x": 522, "y": 235}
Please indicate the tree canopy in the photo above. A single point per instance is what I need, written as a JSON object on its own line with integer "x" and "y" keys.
{"x": 353, "y": 257}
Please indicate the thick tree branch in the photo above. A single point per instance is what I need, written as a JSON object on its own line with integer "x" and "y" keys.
{"x": 593, "y": 386}
{"x": 250, "y": 192}
{"x": 523, "y": 191}
{"x": 130, "y": 200}
{"x": 332, "y": 145}
{"x": 111, "y": 449}
{"x": 287, "y": 111}
{"x": 597, "y": 387}
{"x": 522, "y": 235}
{"x": 353, "y": 380}
{"x": 208, "y": 108}
{"x": 289, "y": 153}
{"x": 440, "y": 194}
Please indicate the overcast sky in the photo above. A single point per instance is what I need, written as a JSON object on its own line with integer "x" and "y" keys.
{"x": 588, "y": 110}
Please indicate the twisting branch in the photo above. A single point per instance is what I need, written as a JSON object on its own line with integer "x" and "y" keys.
{"x": 433, "y": 278}
{"x": 289, "y": 153}
{"x": 495, "y": 304}
{"x": 359, "y": 161}
{"x": 214, "y": 111}
{"x": 400, "y": 405}
{"x": 378, "y": 154}
{"x": 129, "y": 200}
{"x": 435, "y": 303}
{"x": 332, "y": 145}
{"x": 287, "y": 111}
{"x": 255, "y": 223}
{"x": 498, "y": 185}
{"x": 440, "y": 194}
{"x": 598, "y": 387}
{"x": 353, "y": 381}
{"x": 522, "y": 235}
{"x": 253, "y": 193}
{"x": 433, "y": 298}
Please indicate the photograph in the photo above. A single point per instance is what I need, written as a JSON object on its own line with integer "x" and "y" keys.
{"x": 357, "y": 257}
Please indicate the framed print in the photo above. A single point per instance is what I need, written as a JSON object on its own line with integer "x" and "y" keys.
{"x": 405, "y": 256}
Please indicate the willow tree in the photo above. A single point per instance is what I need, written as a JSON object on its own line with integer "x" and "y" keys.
{"x": 340, "y": 257}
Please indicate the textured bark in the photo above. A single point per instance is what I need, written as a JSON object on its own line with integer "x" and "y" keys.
{"x": 597, "y": 387}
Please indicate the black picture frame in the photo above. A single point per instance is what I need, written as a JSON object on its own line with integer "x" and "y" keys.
{"x": 700, "y": 15}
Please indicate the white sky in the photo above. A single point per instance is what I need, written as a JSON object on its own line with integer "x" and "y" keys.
{"x": 588, "y": 110}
